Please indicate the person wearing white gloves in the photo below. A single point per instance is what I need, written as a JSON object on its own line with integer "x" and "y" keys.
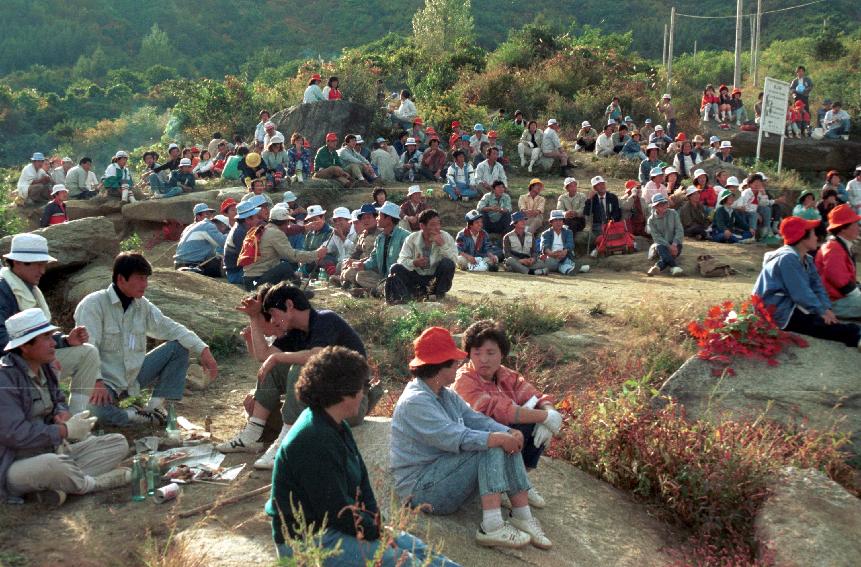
{"x": 44, "y": 449}
{"x": 505, "y": 395}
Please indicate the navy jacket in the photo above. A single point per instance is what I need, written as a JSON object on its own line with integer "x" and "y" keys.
{"x": 593, "y": 208}
{"x": 9, "y": 307}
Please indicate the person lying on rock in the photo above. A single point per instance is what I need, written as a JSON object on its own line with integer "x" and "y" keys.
{"x": 201, "y": 244}
{"x": 303, "y": 332}
{"x": 19, "y": 290}
{"x": 36, "y": 426}
{"x": 791, "y": 285}
{"x": 320, "y": 470}
{"x": 119, "y": 321}
{"x": 835, "y": 262}
{"x": 501, "y": 393}
{"x": 442, "y": 451}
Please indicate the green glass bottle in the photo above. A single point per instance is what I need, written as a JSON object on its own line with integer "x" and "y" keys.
{"x": 139, "y": 484}
{"x": 171, "y": 428}
{"x": 153, "y": 474}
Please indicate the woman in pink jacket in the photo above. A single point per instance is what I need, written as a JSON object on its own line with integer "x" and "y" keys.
{"x": 504, "y": 395}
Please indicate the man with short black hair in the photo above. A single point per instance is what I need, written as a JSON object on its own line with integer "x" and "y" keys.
{"x": 368, "y": 274}
{"x": 119, "y": 321}
{"x": 76, "y": 180}
{"x": 495, "y": 208}
{"x": 426, "y": 263}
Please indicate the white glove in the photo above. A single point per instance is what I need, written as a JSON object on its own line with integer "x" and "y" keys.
{"x": 78, "y": 426}
{"x": 854, "y": 293}
{"x": 553, "y": 422}
{"x": 541, "y": 435}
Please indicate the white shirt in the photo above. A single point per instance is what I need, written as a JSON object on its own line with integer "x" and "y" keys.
{"x": 557, "y": 242}
{"x": 550, "y": 141}
{"x": 484, "y": 173}
{"x": 466, "y": 174}
{"x": 407, "y": 110}
{"x": 651, "y": 189}
{"x": 745, "y": 201}
{"x": 603, "y": 144}
{"x": 854, "y": 190}
{"x": 58, "y": 174}
{"x": 476, "y": 141}
{"x": 835, "y": 118}
{"x": 28, "y": 175}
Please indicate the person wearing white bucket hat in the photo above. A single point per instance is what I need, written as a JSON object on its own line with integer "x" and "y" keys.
{"x": 586, "y": 137}
{"x": 667, "y": 235}
{"x": 340, "y": 244}
{"x": 551, "y": 148}
{"x": 317, "y": 233}
{"x": 181, "y": 180}
{"x": 368, "y": 274}
{"x": 557, "y": 247}
{"x": 473, "y": 248}
{"x": 55, "y": 211}
{"x": 117, "y": 179}
{"x": 412, "y": 207}
{"x": 410, "y": 162}
{"x": 19, "y": 290}
{"x": 34, "y": 183}
{"x": 724, "y": 154}
{"x": 46, "y": 449}
{"x": 58, "y": 174}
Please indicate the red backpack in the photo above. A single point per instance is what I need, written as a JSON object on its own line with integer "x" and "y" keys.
{"x": 615, "y": 239}
{"x": 250, "y": 251}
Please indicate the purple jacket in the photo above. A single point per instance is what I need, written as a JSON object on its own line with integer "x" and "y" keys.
{"x": 16, "y": 401}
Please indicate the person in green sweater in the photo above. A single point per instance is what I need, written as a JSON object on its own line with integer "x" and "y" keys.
{"x": 328, "y": 165}
{"x": 805, "y": 207}
{"x": 667, "y": 233}
{"x": 320, "y": 470}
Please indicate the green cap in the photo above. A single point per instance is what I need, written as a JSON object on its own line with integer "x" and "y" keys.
{"x": 723, "y": 195}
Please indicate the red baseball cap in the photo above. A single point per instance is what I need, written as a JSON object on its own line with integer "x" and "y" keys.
{"x": 331, "y": 136}
{"x": 793, "y": 229}
{"x": 226, "y": 204}
{"x": 492, "y": 134}
{"x": 455, "y": 124}
{"x": 417, "y": 120}
{"x": 316, "y": 77}
{"x": 841, "y": 215}
{"x": 434, "y": 346}
{"x": 630, "y": 184}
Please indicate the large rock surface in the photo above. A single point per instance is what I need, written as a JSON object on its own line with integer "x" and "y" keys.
{"x": 315, "y": 120}
{"x": 76, "y": 243}
{"x": 818, "y": 384}
{"x": 806, "y": 155}
{"x": 204, "y": 305}
{"x": 177, "y": 208}
{"x": 589, "y": 522}
{"x": 809, "y": 520}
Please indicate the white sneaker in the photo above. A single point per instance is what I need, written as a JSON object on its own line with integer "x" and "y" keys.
{"x": 535, "y": 498}
{"x": 506, "y": 536}
{"x": 540, "y": 272}
{"x": 267, "y": 461}
{"x": 246, "y": 441}
{"x": 747, "y": 241}
{"x": 594, "y": 253}
{"x": 653, "y": 270}
{"x": 676, "y": 271}
{"x": 584, "y": 268}
{"x": 529, "y": 169}
{"x": 533, "y": 528}
{"x": 113, "y": 479}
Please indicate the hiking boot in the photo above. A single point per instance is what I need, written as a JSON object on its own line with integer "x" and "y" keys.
{"x": 533, "y": 529}
{"x": 50, "y": 498}
{"x": 267, "y": 461}
{"x": 535, "y": 498}
{"x": 506, "y": 536}
{"x": 653, "y": 271}
{"x": 676, "y": 271}
{"x": 246, "y": 441}
{"x": 154, "y": 417}
{"x": 112, "y": 479}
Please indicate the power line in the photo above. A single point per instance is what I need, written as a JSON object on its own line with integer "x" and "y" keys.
{"x": 748, "y": 15}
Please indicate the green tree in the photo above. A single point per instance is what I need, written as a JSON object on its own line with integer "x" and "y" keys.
{"x": 155, "y": 48}
{"x": 441, "y": 24}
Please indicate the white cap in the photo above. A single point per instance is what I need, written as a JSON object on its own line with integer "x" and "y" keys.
{"x": 27, "y": 247}
{"x": 725, "y": 144}
{"x": 222, "y": 219}
{"x": 585, "y": 124}
{"x": 280, "y": 212}
{"x": 341, "y": 213}
{"x": 57, "y": 188}
{"x": 67, "y": 159}
{"x": 27, "y": 325}
{"x": 410, "y": 141}
{"x": 413, "y": 190}
{"x": 552, "y": 122}
{"x": 670, "y": 169}
{"x": 652, "y": 147}
{"x": 690, "y": 190}
{"x": 269, "y": 124}
{"x": 185, "y": 162}
{"x": 761, "y": 174}
{"x": 667, "y": 95}
{"x": 121, "y": 154}
{"x": 659, "y": 127}
{"x": 732, "y": 180}
{"x": 568, "y": 181}
{"x": 172, "y": 147}
{"x": 276, "y": 139}
{"x": 596, "y": 180}
{"x": 699, "y": 172}
{"x": 315, "y": 211}
{"x": 359, "y": 139}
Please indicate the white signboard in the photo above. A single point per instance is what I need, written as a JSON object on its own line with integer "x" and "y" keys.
{"x": 774, "y": 104}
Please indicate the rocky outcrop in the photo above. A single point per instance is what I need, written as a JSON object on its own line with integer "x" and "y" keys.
{"x": 315, "y": 120}
{"x": 204, "y": 305}
{"x": 816, "y": 387}
{"x": 177, "y": 208}
{"x": 806, "y": 155}
{"x": 713, "y": 165}
{"x": 76, "y": 243}
{"x": 809, "y": 520}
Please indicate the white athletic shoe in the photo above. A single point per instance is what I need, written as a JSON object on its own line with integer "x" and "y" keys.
{"x": 506, "y": 536}
{"x": 267, "y": 461}
{"x": 676, "y": 271}
{"x": 113, "y": 479}
{"x": 584, "y": 268}
{"x": 533, "y": 528}
{"x": 535, "y": 498}
{"x": 653, "y": 271}
{"x": 594, "y": 253}
{"x": 246, "y": 441}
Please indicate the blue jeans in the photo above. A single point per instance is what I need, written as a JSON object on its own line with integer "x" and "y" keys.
{"x": 447, "y": 483}
{"x": 836, "y": 131}
{"x": 848, "y": 307}
{"x": 664, "y": 256}
{"x": 718, "y": 236}
{"x": 465, "y": 191}
{"x": 235, "y": 276}
{"x": 164, "y": 366}
{"x": 355, "y": 553}
{"x": 530, "y": 453}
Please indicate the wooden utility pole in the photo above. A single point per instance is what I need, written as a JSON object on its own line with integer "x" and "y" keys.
{"x": 664, "y": 53}
{"x": 736, "y": 75}
{"x": 752, "y": 43}
{"x": 756, "y": 45}
{"x": 670, "y": 47}
{"x": 695, "y": 48}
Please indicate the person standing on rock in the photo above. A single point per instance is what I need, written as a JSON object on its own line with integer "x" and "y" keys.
{"x": 790, "y": 284}
{"x": 201, "y": 244}
{"x": 119, "y": 321}
{"x": 442, "y": 451}
{"x": 835, "y": 262}
{"x": 19, "y": 290}
{"x": 34, "y": 183}
{"x": 55, "y": 211}
{"x": 36, "y": 425}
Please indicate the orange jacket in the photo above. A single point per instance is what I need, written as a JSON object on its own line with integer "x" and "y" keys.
{"x": 836, "y": 268}
{"x": 501, "y": 398}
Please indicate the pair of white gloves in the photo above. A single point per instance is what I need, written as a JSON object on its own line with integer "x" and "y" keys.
{"x": 543, "y": 432}
{"x": 78, "y": 426}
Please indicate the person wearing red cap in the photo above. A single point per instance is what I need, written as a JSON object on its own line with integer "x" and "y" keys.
{"x": 454, "y": 139}
{"x": 797, "y": 120}
{"x": 328, "y": 165}
{"x": 790, "y": 285}
{"x": 835, "y": 261}
{"x": 228, "y": 209}
{"x": 442, "y": 451}
{"x": 417, "y": 132}
{"x": 313, "y": 93}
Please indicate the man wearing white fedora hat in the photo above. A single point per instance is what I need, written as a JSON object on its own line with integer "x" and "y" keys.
{"x": 36, "y": 425}
{"x": 119, "y": 320}
{"x": 34, "y": 183}
{"x": 19, "y": 290}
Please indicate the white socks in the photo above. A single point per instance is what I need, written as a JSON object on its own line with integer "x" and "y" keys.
{"x": 491, "y": 520}
{"x": 155, "y": 403}
{"x": 522, "y": 513}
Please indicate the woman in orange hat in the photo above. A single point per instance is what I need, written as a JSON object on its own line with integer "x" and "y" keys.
{"x": 313, "y": 93}
{"x": 835, "y": 262}
{"x": 791, "y": 288}
{"x": 442, "y": 451}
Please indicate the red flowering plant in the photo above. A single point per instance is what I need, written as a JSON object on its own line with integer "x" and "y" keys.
{"x": 748, "y": 331}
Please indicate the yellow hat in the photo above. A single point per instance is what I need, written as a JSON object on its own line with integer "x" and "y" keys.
{"x": 248, "y": 183}
{"x": 534, "y": 181}
{"x": 253, "y": 159}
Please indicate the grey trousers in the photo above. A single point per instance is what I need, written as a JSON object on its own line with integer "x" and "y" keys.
{"x": 69, "y": 468}
{"x": 366, "y": 279}
{"x": 82, "y": 363}
{"x": 514, "y": 265}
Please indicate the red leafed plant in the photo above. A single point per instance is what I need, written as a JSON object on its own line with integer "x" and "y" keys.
{"x": 748, "y": 331}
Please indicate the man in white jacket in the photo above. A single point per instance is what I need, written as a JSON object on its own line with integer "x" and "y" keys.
{"x": 756, "y": 205}
{"x": 604, "y": 143}
{"x": 551, "y": 145}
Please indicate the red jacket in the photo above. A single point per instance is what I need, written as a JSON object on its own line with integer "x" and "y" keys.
{"x": 500, "y": 398}
{"x": 708, "y": 99}
{"x": 836, "y": 267}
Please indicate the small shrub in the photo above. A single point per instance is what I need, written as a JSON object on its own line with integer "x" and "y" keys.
{"x": 132, "y": 244}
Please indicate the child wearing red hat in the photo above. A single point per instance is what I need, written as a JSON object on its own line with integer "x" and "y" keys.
{"x": 835, "y": 262}
{"x": 797, "y": 120}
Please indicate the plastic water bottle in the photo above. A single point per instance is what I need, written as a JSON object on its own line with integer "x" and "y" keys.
{"x": 153, "y": 474}
{"x": 171, "y": 428}
{"x": 139, "y": 483}
{"x": 323, "y": 277}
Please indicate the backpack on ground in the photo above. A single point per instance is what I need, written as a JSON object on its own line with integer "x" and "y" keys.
{"x": 250, "y": 251}
{"x": 615, "y": 239}
{"x": 710, "y": 267}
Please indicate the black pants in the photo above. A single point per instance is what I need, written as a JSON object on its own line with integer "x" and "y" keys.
{"x": 695, "y": 231}
{"x": 502, "y": 226}
{"x": 278, "y": 273}
{"x": 588, "y": 146}
{"x": 813, "y": 325}
{"x": 403, "y": 284}
{"x": 210, "y": 267}
{"x": 575, "y": 224}
{"x": 530, "y": 452}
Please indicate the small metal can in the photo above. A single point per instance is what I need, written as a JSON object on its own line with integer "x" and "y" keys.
{"x": 166, "y": 493}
